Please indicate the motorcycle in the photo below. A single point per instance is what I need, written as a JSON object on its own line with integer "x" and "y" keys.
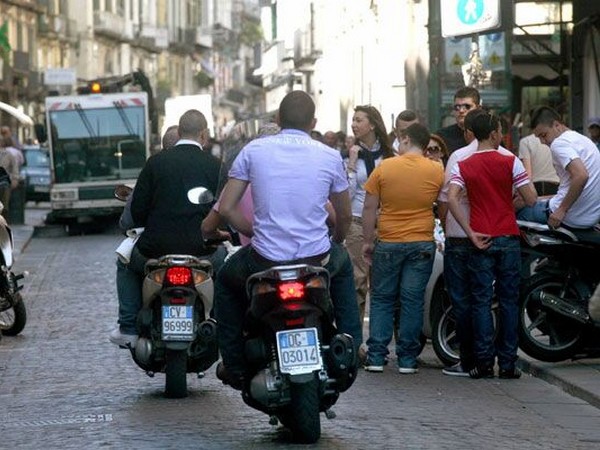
{"x": 13, "y": 314}
{"x": 299, "y": 363}
{"x": 560, "y": 275}
{"x": 176, "y": 334}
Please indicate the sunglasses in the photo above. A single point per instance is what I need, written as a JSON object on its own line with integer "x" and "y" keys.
{"x": 461, "y": 106}
{"x": 434, "y": 149}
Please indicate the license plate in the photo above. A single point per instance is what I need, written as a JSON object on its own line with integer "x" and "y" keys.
{"x": 177, "y": 323}
{"x": 41, "y": 189}
{"x": 299, "y": 351}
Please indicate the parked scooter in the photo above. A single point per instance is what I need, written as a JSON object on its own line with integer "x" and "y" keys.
{"x": 13, "y": 314}
{"x": 561, "y": 273}
{"x": 176, "y": 334}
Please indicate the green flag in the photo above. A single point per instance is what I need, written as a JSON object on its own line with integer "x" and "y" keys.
{"x": 4, "y": 44}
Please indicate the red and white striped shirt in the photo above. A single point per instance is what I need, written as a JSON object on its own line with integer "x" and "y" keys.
{"x": 490, "y": 178}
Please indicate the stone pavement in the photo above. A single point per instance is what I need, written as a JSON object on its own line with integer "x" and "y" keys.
{"x": 579, "y": 378}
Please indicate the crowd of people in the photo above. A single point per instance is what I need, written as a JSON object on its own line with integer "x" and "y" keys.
{"x": 366, "y": 208}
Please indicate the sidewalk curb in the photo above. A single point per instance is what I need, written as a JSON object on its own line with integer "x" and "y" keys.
{"x": 548, "y": 375}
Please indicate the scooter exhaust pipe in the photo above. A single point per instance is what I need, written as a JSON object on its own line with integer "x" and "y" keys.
{"x": 563, "y": 307}
{"x": 208, "y": 329}
{"x": 341, "y": 352}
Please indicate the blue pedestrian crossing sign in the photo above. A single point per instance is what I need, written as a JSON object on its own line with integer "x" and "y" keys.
{"x": 469, "y": 11}
{"x": 462, "y": 17}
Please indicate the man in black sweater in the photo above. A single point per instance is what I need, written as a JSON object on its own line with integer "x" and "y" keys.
{"x": 465, "y": 99}
{"x": 171, "y": 223}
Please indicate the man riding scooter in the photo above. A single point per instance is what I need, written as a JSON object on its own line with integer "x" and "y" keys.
{"x": 171, "y": 223}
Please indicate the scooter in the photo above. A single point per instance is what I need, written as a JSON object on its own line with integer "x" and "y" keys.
{"x": 176, "y": 334}
{"x": 297, "y": 360}
{"x": 561, "y": 275}
{"x": 13, "y": 314}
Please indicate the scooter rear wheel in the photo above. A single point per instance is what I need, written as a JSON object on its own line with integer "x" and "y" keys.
{"x": 176, "y": 373}
{"x": 304, "y": 419}
{"x": 545, "y": 334}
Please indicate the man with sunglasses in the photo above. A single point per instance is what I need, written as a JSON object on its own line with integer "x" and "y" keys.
{"x": 465, "y": 99}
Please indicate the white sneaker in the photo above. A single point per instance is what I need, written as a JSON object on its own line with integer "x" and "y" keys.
{"x": 407, "y": 370}
{"x": 122, "y": 340}
{"x": 372, "y": 368}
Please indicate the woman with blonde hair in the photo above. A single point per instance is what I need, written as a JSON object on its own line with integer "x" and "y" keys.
{"x": 371, "y": 146}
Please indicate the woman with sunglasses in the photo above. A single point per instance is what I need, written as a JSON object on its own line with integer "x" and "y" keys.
{"x": 437, "y": 149}
{"x": 371, "y": 147}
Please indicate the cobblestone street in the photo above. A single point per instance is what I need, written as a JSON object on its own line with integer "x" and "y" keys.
{"x": 64, "y": 386}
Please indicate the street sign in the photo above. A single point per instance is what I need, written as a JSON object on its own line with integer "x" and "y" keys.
{"x": 59, "y": 77}
{"x": 462, "y": 17}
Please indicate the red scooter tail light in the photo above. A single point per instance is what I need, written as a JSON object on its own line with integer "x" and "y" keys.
{"x": 290, "y": 291}
{"x": 179, "y": 276}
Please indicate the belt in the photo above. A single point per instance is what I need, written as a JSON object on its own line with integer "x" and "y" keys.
{"x": 458, "y": 240}
{"x": 547, "y": 210}
{"x": 317, "y": 260}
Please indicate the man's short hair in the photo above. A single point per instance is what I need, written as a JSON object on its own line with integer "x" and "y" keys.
{"x": 408, "y": 115}
{"x": 170, "y": 137}
{"x": 471, "y": 115}
{"x": 192, "y": 123}
{"x": 468, "y": 92}
{"x": 418, "y": 134}
{"x": 483, "y": 125}
{"x": 296, "y": 111}
{"x": 544, "y": 115}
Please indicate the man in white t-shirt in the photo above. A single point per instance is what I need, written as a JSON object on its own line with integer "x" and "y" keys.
{"x": 577, "y": 163}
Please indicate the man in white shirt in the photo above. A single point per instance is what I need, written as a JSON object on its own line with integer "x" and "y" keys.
{"x": 577, "y": 163}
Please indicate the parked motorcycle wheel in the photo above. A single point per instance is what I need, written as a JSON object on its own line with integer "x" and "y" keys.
{"x": 545, "y": 334}
{"x": 443, "y": 328}
{"x": 176, "y": 374}
{"x": 303, "y": 417}
{"x": 445, "y": 344}
{"x": 13, "y": 319}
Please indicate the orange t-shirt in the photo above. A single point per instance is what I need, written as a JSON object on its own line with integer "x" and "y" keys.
{"x": 407, "y": 186}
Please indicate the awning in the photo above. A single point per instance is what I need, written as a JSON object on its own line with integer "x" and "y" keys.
{"x": 17, "y": 114}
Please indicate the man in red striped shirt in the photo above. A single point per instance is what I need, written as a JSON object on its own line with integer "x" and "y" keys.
{"x": 489, "y": 177}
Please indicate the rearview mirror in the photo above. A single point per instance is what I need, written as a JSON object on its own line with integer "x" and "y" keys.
{"x": 200, "y": 196}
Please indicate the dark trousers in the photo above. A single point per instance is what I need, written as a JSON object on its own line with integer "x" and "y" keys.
{"x": 457, "y": 254}
{"x": 231, "y": 301}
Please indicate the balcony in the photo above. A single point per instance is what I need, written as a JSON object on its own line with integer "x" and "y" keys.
{"x": 112, "y": 25}
{"x": 182, "y": 39}
{"x": 204, "y": 37}
{"x": 151, "y": 38}
{"x": 305, "y": 53}
{"x": 52, "y": 25}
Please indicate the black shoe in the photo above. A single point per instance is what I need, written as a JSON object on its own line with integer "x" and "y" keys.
{"x": 482, "y": 372}
{"x": 509, "y": 374}
{"x": 235, "y": 381}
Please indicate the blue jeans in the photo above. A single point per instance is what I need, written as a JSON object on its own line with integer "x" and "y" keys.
{"x": 130, "y": 278}
{"x": 231, "y": 301}
{"x": 457, "y": 253}
{"x": 496, "y": 271}
{"x": 537, "y": 213}
{"x": 399, "y": 268}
